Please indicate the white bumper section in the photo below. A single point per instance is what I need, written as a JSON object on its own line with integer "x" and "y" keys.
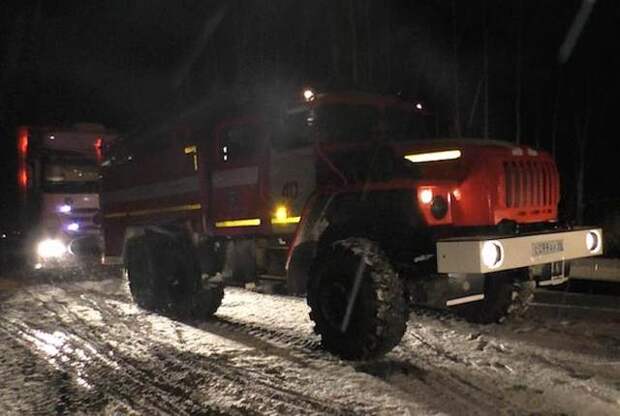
{"x": 488, "y": 254}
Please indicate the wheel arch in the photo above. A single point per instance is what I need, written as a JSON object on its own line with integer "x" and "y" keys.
{"x": 176, "y": 230}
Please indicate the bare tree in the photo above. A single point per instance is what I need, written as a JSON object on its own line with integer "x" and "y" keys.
{"x": 455, "y": 57}
{"x": 474, "y": 105}
{"x": 582, "y": 124}
{"x": 354, "y": 46}
{"x": 485, "y": 69}
{"x": 519, "y": 70}
{"x": 369, "y": 48}
{"x": 555, "y": 114}
{"x": 334, "y": 41}
{"x": 388, "y": 41}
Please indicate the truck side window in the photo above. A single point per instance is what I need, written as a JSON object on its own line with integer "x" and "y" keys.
{"x": 294, "y": 131}
{"x": 239, "y": 143}
{"x": 345, "y": 123}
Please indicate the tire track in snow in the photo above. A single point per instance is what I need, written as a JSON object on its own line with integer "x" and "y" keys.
{"x": 239, "y": 376}
{"x": 169, "y": 359}
{"x": 438, "y": 367}
{"x": 505, "y": 368}
{"x": 125, "y": 384}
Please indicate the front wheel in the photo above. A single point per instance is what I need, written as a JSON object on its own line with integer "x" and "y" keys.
{"x": 356, "y": 321}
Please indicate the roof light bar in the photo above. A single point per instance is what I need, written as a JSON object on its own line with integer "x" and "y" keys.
{"x": 434, "y": 156}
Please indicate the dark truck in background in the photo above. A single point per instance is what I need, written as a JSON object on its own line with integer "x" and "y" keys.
{"x": 58, "y": 221}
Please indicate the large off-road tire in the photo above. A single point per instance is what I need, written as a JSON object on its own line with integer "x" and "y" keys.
{"x": 208, "y": 300}
{"x": 138, "y": 267}
{"x": 164, "y": 276}
{"x": 504, "y": 297}
{"x": 379, "y": 316}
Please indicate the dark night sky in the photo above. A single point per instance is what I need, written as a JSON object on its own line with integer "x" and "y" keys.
{"x": 124, "y": 63}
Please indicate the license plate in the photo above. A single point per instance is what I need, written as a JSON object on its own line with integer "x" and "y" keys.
{"x": 543, "y": 248}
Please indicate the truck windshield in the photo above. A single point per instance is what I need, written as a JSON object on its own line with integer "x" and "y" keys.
{"x": 401, "y": 125}
{"x": 332, "y": 123}
{"x": 346, "y": 123}
{"x": 64, "y": 175}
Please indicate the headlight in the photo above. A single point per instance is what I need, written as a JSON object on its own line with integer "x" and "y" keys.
{"x": 492, "y": 254}
{"x": 51, "y": 248}
{"x": 426, "y": 196}
{"x": 593, "y": 241}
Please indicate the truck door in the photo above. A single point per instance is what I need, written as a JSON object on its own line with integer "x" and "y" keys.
{"x": 238, "y": 185}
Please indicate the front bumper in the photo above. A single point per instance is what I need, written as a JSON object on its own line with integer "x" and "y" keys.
{"x": 465, "y": 255}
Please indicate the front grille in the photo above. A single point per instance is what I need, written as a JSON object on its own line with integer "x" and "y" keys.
{"x": 530, "y": 184}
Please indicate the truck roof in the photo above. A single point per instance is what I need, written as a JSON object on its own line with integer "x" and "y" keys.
{"x": 81, "y": 138}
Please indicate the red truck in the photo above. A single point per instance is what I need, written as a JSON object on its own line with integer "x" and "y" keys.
{"x": 346, "y": 199}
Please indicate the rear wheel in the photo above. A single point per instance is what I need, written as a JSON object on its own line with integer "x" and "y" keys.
{"x": 503, "y": 296}
{"x": 378, "y": 317}
{"x": 138, "y": 267}
{"x": 164, "y": 276}
{"x": 208, "y": 300}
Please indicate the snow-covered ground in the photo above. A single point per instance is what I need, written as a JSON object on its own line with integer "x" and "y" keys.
{"x": 84, "y": 348}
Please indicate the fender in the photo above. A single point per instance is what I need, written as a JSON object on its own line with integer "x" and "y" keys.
{"x": 323, "y": 223}
{"x": 175, "y": 232}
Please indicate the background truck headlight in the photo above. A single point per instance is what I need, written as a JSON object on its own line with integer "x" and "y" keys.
{"x": 51, "y": 248}
{"x": 65, "y": 209}
{"x": 492, "y": 254}
{"x": 308, "y": 94}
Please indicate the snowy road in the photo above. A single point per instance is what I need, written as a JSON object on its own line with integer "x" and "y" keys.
{"x": 84, "y": 348}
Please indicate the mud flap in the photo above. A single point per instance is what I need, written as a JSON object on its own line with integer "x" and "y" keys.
{"x": 299, "y": 267}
